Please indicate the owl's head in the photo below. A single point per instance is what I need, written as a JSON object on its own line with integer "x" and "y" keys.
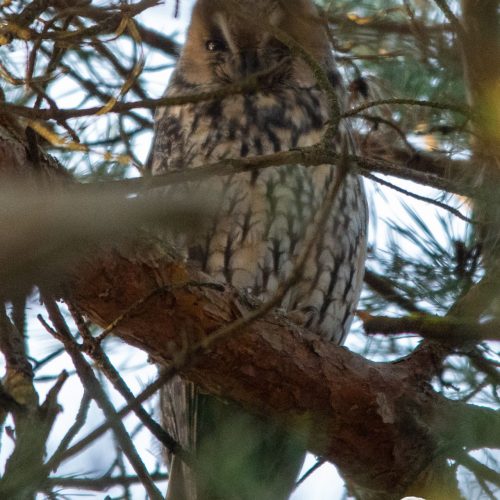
{"x": 228, "y": 40}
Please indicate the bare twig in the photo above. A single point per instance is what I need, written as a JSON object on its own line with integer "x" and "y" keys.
{"x": 77, "y": 425}
{"x": 319, "y": 462}
{"x": 100, "y": 483}
{"x": 458, "y": 108}
{"x": 90, "y": 438}
{"x": 452, "y": 19}
{"x": 94, "y": 349}
{"x": 479, "y": 469}
{"x": 89, "y": 380}
{"x": 248, "y": 84}
{"x": 419, "y": 197}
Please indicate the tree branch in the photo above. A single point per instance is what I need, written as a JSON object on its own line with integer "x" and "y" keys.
{"x": 338, "y": 401}
{"x": 445, "y": 329}
{"x": 90, "y": 381}
{"x": 100, "y": 483}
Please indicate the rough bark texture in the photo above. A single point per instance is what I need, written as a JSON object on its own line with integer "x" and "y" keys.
{"x": 380, "y": 423}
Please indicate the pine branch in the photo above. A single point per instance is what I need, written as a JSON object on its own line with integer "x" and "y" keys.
{"x": 317, "y": 379}
{"x": 445, "y": 329}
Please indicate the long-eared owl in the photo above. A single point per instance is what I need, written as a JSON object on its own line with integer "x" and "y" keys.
{"x": 262, "y": 220}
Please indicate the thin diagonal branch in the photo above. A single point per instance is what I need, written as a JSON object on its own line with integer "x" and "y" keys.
{"x": 89, "y": 380}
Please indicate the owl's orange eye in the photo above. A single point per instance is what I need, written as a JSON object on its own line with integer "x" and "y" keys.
{"x": 215, "y": 46}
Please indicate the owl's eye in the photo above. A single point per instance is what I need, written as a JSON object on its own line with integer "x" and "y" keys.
{"x": 215, "y": 46}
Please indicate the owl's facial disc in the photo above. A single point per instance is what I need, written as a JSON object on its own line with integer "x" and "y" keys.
{"x": 235, "y": 50}
{"x": 226, "y": 43}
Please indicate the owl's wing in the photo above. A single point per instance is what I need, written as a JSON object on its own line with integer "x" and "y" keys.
{"x": 168, "y": 150}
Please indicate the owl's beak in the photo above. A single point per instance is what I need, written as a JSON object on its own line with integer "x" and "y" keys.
{"x": 249, "y": 62}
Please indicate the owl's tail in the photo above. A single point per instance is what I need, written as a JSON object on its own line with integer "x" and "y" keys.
{"x": 238, "y": 455}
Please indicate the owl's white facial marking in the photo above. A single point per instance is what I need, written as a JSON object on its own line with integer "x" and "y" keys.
{"x": 222, "y": 22}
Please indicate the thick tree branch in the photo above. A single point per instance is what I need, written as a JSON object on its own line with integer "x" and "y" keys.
{"x": 447, "y": 330}
{"x": 351, "y": 411}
